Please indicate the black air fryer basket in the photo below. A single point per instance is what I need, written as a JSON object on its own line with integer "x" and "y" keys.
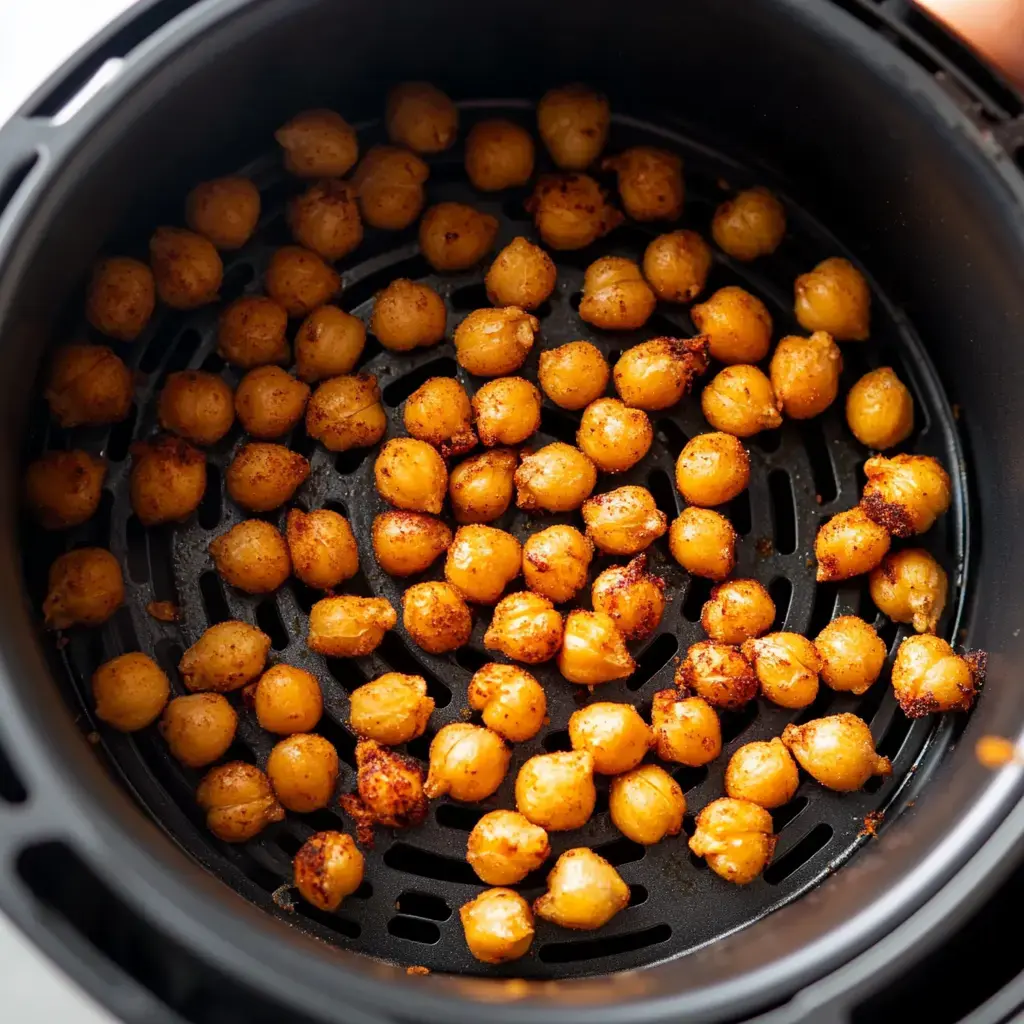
{"x": 889, "y": 144}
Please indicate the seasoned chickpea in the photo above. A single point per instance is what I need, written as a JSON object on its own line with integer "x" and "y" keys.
{"x": 555, "y": 562}
{"x": 421, "y": 117}
{"x": 327, "y": 868}
{"x": 834, "y": 297}
{"x": 615, "y": 734}
{"x": 906, "y": 493}
{"x": 852, "y": 654}
{"x": 406, "y": 543}
{"x": 624, "y": 521}
{"x": 481, "y": 562}
{"x": 737, "y": 611}
{"x": 650, "y": 182}
{"x": 658, "y": 373}
{"x": 614, "y": 436}
{"x": 325, "y": 219}
{"x": 712, "y": 469}
{"x": 525, "y": 627}
{"x": 390, "y": 785}
{"x": 584, "y": 891}
{"x": 738, "y": 325}
{"x": 481, "y": 488}
{"x": 929, "y": 676}
{"x": 646, "y": 804}
{"x": 63, "y": 489}
{"x": 270, "y": 402}
{"x": 262, "y": 476}
{"x": 763, "y": 773}
{"x": 187, "y": 269}
{"x": 411, "y": 475}
{"x": 303, "y": 769}
{"x": 346, "y": 626}
{"x": 751, "y": 224}
{"x": 130, "y": 691}
{"x": 719, "y": 673}
{"x": 197, "y": 406}
{"x": 498, "y": 925}
{"x": 615, "y": 295}
{"x": 505, "y": 846}
{"x": 224, "y": 210}
{"x": 345, "y": 413}
{"x": 454, "y": 236}
{"x": 573, "y": 122}
{"x": 838, "y": 751}
{"x": 910, "y": 586}
{"x": 408, "y": 315}
{"x": 439, "y": 412}
{"x": 299, "y": 280}
{"x": 805, "y": 374}
{"x": 251, "y": 331}
{"x": 556, "y": 791}
{"x": 495, "y": 342}
{"x": 467, "y": 762}
{"x": 573, "y": 375}
{"x": 677, "y": 265}
{"x": 571, "y": 210}
{"x": 735, "y": 838}
{"x": 507, "y": 411}
{"x": 228, "y": 656}
{"x": 686, "y": 730}
{"x": 252, "y": 556}
{"x": 849, "y": 544}
{"x": 85, "y": 587}
{"x": 322, "y": 547}
{"x": 238, "y": 801}
{"x": 631, "y": 597}
{"x": 120, "y": 298}
{"x": 740, "y": 401}
{"x": 787, "y": 667}
{"x": 512, "y": 703}
{"x": 88, "y": 386}
{"x": 522, "y": 275}
{"x": 880, "y": 409}
{"x": 389, "y": 185}
{"x": 499, "y": 154}
{"x": 318, "y": 144}
{"x": 392, "y": 709}
{"x": 288, "y": 700}
{"x": 555, "y": 478}
{"x": 328, "y": 344}
{"x": 168, "y": 480}
{"x": 199, "y": 728}
{"x": 703, "y": 542}
{"x": 593, "y": 649}
{"x": 436, "y": 617}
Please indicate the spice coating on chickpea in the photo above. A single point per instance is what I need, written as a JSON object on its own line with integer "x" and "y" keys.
{"x": 571, "y": 211}
{"x": 318, "y": 144}
{"x": 389, "y": 186}
{"x": 737, "y": 611}
{"x": 299, "y": 280}
{"x": 408, "y": 315}
{"x": 481, "y": 488}
{"x": 852, "y": 654}
{"x": 252, "y": 556}
{"x": 522, "y": 275}
{"x": 238, "y": 801}
{"x": 196, "y": 406}
{"x": 495, "y": 342}
{"x": 327, "y": 868}
{"x": 624, "y": 521}
{"x": 130, "y": 691}
{"x": 512, "y": 703}
{"x": 270, "y": 402}
{"x": 805, "y": 374}
{"x": 251, "y": 331}
{"x": 187, "y": 269}
{"x": 762, "y": 772}
{"x": 556, "y": 791}
{"x": 454, "y": 236}
{"x": 650, "y": 182}
{"x": 573, "y": 375}
{"x": 615, "y": 734}
{"x": 345, "y": 413}
{"x": 712, "y": 469}
{"x": 834, "y": 297}
{"x": 391, "y": 709}
{"x": 498, "y": 926}
{"x": 787, "y": 667}
{"x": 303, "y": 770}
{"x": 929, "y": 676}
{"x": 436, "y": 617}
{"x": 735, "y": 838}
{"x": 686, "y": 730}
{"x": 481, "y": 562}
{"x": 88, "y": 386}
{"x": 593, "y": 649}
{"x": 849, "y": 544}
{"x": 346, "y": 626}
{"x": 676, "y": 265}
{"x": 573, "y": 122}
{"x": 507, "y": 411}
{"x": 631, "y": 597}
{"x": 224, "y": 210}
{"x": 906, "y": 493}
{"x": 646, "y": 804}
{"x": 525, "y": 627}
{"x": 328, "y": 343}
{"x": 751, "y": 224}
{"x": 262, "y": 476}
{"x": 168, "y": 480}
{"x": 322, "y": 547}
{"x": 703, "y": 542}
{"x": 838, "y": 751}
{"x": 325, "y": 219}
{"x": 556, "y": 561}
{"x": 615, "y": 295}
{"x": 719, "y": 673}
{"x": 63, "y": 489}
{"x": 555, "y": 478}
{"x": 439, "y": 412}
{"x": 198, "y": 728}
{"x": 614, "y": 436}
{"x": 740, "y": 400}
{"x": 406, "y": 543}
{"x": 120, "y": 298}
{"x": 658, "y": 373}
{"x": 584, "y": 892}
{"x": 411, "y": 475}
{"x": 288, "y": 700}
{"x": 880, "y": 409}
{"x": 84, "y": 588}
{"x": 505, "y": 846}
{"x": 737, "y": 324}
{"x": 910, "y": 586}
{"x": 467, "y": 763}
{"x": 390, "y": 785}
{"x": 422, "y": 117}
{"x": 228, "y": 656}
{"x": 499, "y": 154}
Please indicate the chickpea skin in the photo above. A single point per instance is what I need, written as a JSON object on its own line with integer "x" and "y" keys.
{"x": 740, "y": 400}
{"x": 318, "y": 144}
{"x": 411, "y": 475}
{"x": 787, "y": 667}
{"x": 454, "y": 236}
{"x": 880, "y": 409}
{"x": 196, "y": 406}
{"x": 436, "y": 617}
{"x": 712, "y": 469}
{"x": 421, "y": 117}
{"x": 805, "y": 374}
{"x": 852, "y": 654}
{"x": 838, "y": 751}
{"x": 614, "y": 436}
{"x": 303, "y": 769}
{"x": 910, "y": 586}
{"x": 646, "y": 804}
{"x": 556, "y": 561}
{"x": 677, "y": 265}
{"x": 624, "y": 521}
{"x": 834, "y": 297}
{"x": 120, "y": 298}
{"x": 481, "y": 562}
{"x": 481, "y": 488}
{"x": 615, "y": 295}
{"x": 512, "y": 703}
{"x": 346, "y": 626}
{"x": 389, "y": 186}
{"x": 556, "y": 791}
{"x": 130, "y": 691}
{"x": 408, "y": 315}
{"x": 251, "y": 331}
{"x": 406, "y": 543}
{"x": 499, "y": 154}
{"x": 88, "y": 386}
{"x": 495, "y": 342}
{"x": 507, "y": 411}
{"x": 198, "y": 728}
{"x": 252, "y": 556}
{"x": 906, "y": 493}
{"x": 264, "y": 476}
{"x": 686, "y": 730}
{"x": 187, "y": 269}
{"x": 327, "y": 868}
{"x": 584, "y": 892}
{"x": 929, "y": 676}
{"x": 849, "y": 544}
{"x": 224, "y": 210}
{"x": 555, "y": 478}
{"x": 737, "y": 611}
{"x": 751, "y": 224}
{"x": 322, "y": 547}
{"x": 571, "y": 211}
{"x": 392, "y": 709}
{"x": 505, "y": 846}
{"x": 615, "y": 734}
{"x": 522, "y": 275}
{"x": 737, "y": 324}
{"x": 63, "y": 489}
{"x": 593, "y": 649}
{"x": 238, "y": 801}
{"x": 631, "y": 597}
{"x": 735, "y": 838}
{"x": 498, "y": 926}
{"x": 270, "y": 402}
{"x": 650, "y": 182}
{"x": 299, "y": 280}
{"x": 85, "y": 587}
{"x": 345, "y": 413}
{"x": 703, "y": 542}
{"x": 573, "y": 375}
{"x": 763, "y": 773}
{"x": 573, "y": 122}
{"x": 657, "y": 374}
{"x": 439, "y": 412}
{"x": 228, "y": 656}
{"x": 467, "y": 763}
{"x": 288, "y": 700}
{"x": 719, "y": 673}
{"x": 525, "y": 627}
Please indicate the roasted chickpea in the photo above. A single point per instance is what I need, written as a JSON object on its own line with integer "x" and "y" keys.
{"x": 322, "y": 547}
{"x": 573, "y": 122}
{"x": 421, "y": 117}
{"x": 411, "y": 475}
{"x": 438, "y": 412}
{"x": 406, "y": 543}
{"x": 556, "y": 791}
{"x": 584, "y": 891}
{"x": 498, "y": 926}
{"x": 593, "y": 649}
{"x": 408, "y": 315}
{"x": 347, "y": 626}
{"x": 299, "y": 280}
{"x": 735, "y": 838}
{"x": 238, "y": 801}
{"x": 522, "y": 275}
{"x": 187, "y": 269}
{"x": 880, "y": 409}
{"x": 512, "y": 703}
{"x": 677, "y": 265}
{"x": 740, "y": 400}
{"x": 615, "y": 295}
{"x": 929, "y": 676}
{"x": 838, "y": 751}
{"x": 737, "y": 611}
{"x": 303, "y": 769}
{"x": 495, "y": 342}
{"x": 703, "y": 542}
{"x": 168, "y": 480}
{"x": 88, "y": 386}
{"x": 685, "y": 730}
{"x": 555, "y": 478}
{"x": 389, "y": 184}
{"x": 852, "y": 654}
{"x": 805, "y": 374}
{"x": 392, "y": 709}
{"x": 763, "y": 773}
{"x": 130, "y": 691}
{"x": 787, "y": 667}
{"x": 525, "y": 627}
{"x": 555, "y": 562}
{"x": 262, "y": 476}
{"x": 224, "y": 210}
{"x": 318, "y": 144}
{"x": 499, "y": 154}
{"x": 198, "y": 728}
{"x": 573, "y": 375}
{"x": 390, "y": 785}
{"x": 436, "y": 617}
{"x": 910, "y": 586}
{"x": 325, "y": 219}
{"x": 481, "y": 562}
{"x": 571, "y": 210}
{"x": 197, "y": 406}
{"x": 328, "y": 344}
{"x": 480, "y": 489}
{"x": 228, "y": 656}
{"x": 327, "y": 868}
{"x": 631, "y": 597}
{"x": 120, "y": 298}
{"x": 624, "y": 521}
{"x": 712, "y": 469}
{"x": 467, "y": 762}
{"x": 63, "y": 489}
{"x": 849, "y": 544}
{"x": 288, "y": 700}
{"x": 505, "y": 846}
{"x": 616, "y": 736}
{"x": 650, "y": 182}
{"x": 345, "y": 413}
{"x": 646, "y": 804}
{"x": 454, "y": 236}
{"x": 269, "y": 402}
{"x": 719, "y": 673}
{"x": 614, "y": 436}
{"x": 737, "y": 324}
{"x": 658, "y": 373}
{"x": 906, "y": 493}
{"x": 507, "y": 411}
{"x": 251, "y": 332}
{"x": 834, "y": 297}
{"x": 751, "y": 224}
{"x": 252, "y": 556}
{"x": 85, "y": 587}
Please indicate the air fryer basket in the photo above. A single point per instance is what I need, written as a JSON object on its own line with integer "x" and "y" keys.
{"x": 912, "y": 193}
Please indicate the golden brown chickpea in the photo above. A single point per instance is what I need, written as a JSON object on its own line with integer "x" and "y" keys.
{"x": 614, "y": 436}
{"x": 805, "y": 374}
{"x": 512, "y": 703}
{"x": 63, "y": 489}
{"x": 555, "y": 562}
{"x": 507, "y": 411}
{"x": 327, "y": 868}
{"x": 454, "y": 236}
{"x": 408, "y": 315}
{"x": 467, "y": 763}
{"x": 406, "y": 543}
{"x": 910, "y": 586}
{"x": 197, "y": 406}
{"x": 852, "y": 654}
{"x": 228, "y": 656}
{"x": 421, "y": 117}
{"x": 346, "y": 626}
{"x": 411, "y": 475}
{"x": 85, "y": 587}
{"x": 392, "y": 709}
{"x": 328, "y": 344}
{"x": 481, "y": 562}
{"x": 438, "y": 412}
{"x": 593, "y": 649}
{"x": 322, "y": 547}
{"x": 763, "y": 773}
{"x": 525, "y": 627}
{"x": 880, "y": 409}
{"x": 303, "y": 769}
{"x": 299, "y": 280}
{"x": 480, "y": 489}
{"x": 120, "y": 297}
{"x": 712, "y": 469}
{"x": 168, "y": 480}
{"x": 624, "y": 521}
{"x": 906, "y": 493}
{"x": 737, "y": 611}
{"x": 615, "y": 734}
{"x": 88, "y": 386}
{"x": 838, "y": 751}
{"x": 505, "y": 846}
{"x": 740, "y": 401}
{"x": 584, "y": 892}
{"x": 389, "y": 184}
{"x": 187, "y": 269}
{"x": 436, "y": 617}
{"x": 498, "y": 925}
{"x": 130, "y": 691}
{"x": 390, "y": 785}
{"x": 677, "y": 265}
{"x": 834, "y": 297}
{"x": 929, "y": 676}
{"x": 251, "y": 332}
{"x": 238, "y": 801}
{"x": 573, "y": 375}
{"x": 199, "y": 728}
{"x": 571, "y": 210}
{"x": 849, "y": 544}
{"x": 252, "y": 556}
{"x": 495, "y": 342}
{"x": 735, "y": 838}
{"x": 787, "y": 667}
{"x": 686, "y": 730}
{"x": 658, "y": 373}
{"x": 631, "y": 597}
{"x": 318, "y": 144}
{"x": 556, "y": 791}
{"x": 703, "y": 542}
{"x": 573, "y": 122}
{"x": 615, "y": 295}
{"x": 288, "y": 700}
{"x": 522, "y": 275}
{"x": 751, "y": 224}
{"x": 325, "y": 219}
{"x": 270, "y": 402}
{"x": 224, "y": 210}
{"x": 345, "y": 413}
{"x": 262, "y": 476}
{"x": 738, "y": 325}
{"x": 499, "y": 154}
{"x": 646, "y": 804}
{"x": 650, "y": 182}
{"x": 719, "y": 673}
{"x": 555, "y": 478}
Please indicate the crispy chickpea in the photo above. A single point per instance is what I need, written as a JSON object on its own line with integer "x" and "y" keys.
{"x": 499, "y": 154}
{"x": 303, "y": 769}
{"x": 834, "y": 297}
{"x": 168, "y": 480}
{"x": 677, "y": 265}
{"x": 573, "y": 122}
{"x": 929, "y": 676}
{"x": 615, "y": 295}
{"x": 703, "y": 542}
{"x": 512, "y": 703}
{"x": 658, "y": 373}
{"x": 910, "y": 586}
{"x": 454, "y": 236}
{"x": 228, "y": 656}
{"x": 422, "y": 117}
{"x": 345, "y": 413}
{"x": 322, "y": 548}
{"x": 805, "y": 374}
{"x": 495, "y": 342}
{"x": 631, "y": 597}
{"x": 712, "y": 469}
{"x": 130, "y": 691}
{"x": 555, "y": 478}
{"x": 288, "y": 700}
{"x": 584, "y": 891}
{"x": 238, "y": 801}
{"x": 852, "y": 654}
{"x": 481, "y": 562}
{"x": 751, "y": 224}
{"x": 507, "y": 411}
{"x": 411, "y": 475}
{"x": 88, "y": 386}
{"x": 436, "y": 617}
{"x": 614, "y": 436}
{"x": 120, "y": 297}
{"x": 719, "y": 673}
{"x": 737, "y": 611}
{"x": 187, "y": 269}
{"x": 198, "y": 728}
{"x": 838, "y": 751}
{"x": 555, "y": 562}
{"x": 615, "y": 734}
{"x": 408, "y": 315}
{"x": 197, "y": 406}
{"x": 347, "y": 626}
{"x": 325, "y": 219}
{"x": 390, "y": 785}
{"x": 224, "y": 210}
{"x": 571, "y": 210}
{"x": 328, "y": 344}
{"x": 251, "y": 331}
{"x": 63, "y": 489}
{"x": 481, "y": 488}
{"x": 498, "y": 925}
{"x": 624, "y": 521}
{"x": 252, "y": 556}
{"x": 735, "y": 838}
{"x": 85, "y": 587}
{"x": 522, "y": 275}
{"x": 849, "y": 544}
{"x": 556, "y": 791}
{"x": 467, "y": 763}
{"x": 389, "y": 185}
{"x": 650, "y": 182}
{"x": 573, "y": 375}
{"x": 880, "y": 409}
{"x": 738, "y": 325}
{"x": 787, "y": 667}
{"x": 685, "y": 730}
{"x": 392, "y": 709}
{"x": 906, "y": 493}
{"x": 439, "y": 412}
{"x": 762, "y": 772}
{"x": 327, "y": 868}
{"x": 299, "y": 280}
{"x": 525, "y": 627}
{"x": 406, "y": 543}
{"x": 270, "y": 402}
{"x": 262, "y": 476}
{"x": 593, "y": 649}
{"x": 740, "y": 401}
{"x": 505, "y": 846}
{"x": 646, "y": 804}
{"x": 318, "y": 144}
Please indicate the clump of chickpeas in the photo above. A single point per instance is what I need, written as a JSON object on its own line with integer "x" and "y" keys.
{"x": 555, "y": 478}
{"x": 556, "y": 791}
{"x": 454, "y": 236}
{"x": 505, "y": 846}
{"x": 481, "y": 562}
{"x": 650, "y": 182}
{"x": 556, "y": 561}
{"x": 805, "y": 374}
{"x": 736, "y": 839}
{"x": 196, "y": 406}
{"x": 510, "y": 701}
{"x": 906, "y": 493}
{"x": 834, "y": 297}
{"x": 224, "y": 210}
{"x": 121, "y": 297}
{"x": 910, "y": 586}
{"x": 408, "y": 315}
{"x": 615, "y": 295}
{"x": 624, "y": 521}
{"x": 322, "y": 547}
{"x": 712, "y": 469}
{"x": 130, "y": 691}
{"x": 270, "y": 402}
{"x": 406, "y": 543}
{"x": 787, "y": 667}
{"x": 677, "y": 265}
{"x": 751, "y": 224}
{"x": 646, "y": 804}
{"x": 346, "y": 412}
{"x": 632, "y": 597}
{"x": 593, "y": 649}
{"x": 522, "y": 275}
{"x": 392, "y": 709}
{"x": 347, "y": 626}
{"x": 525, "y": 627}
{"x": 615, "y": 734}
{"x": 499, "y": 154}
{"x": 439, "y": 412}
{"x": 252, "y": 556}
{"x": 481, "y": 488}
{"x": 411, "y": 475}
{"x": 299, "y": 280}
{"x": 762, "y": 772}
{"x": 614, "y": 436}
{"x": 849, "y": 544}
{"x": 436, "y": 617}
{"x": 252, "y": 331}
{"x": 880, "y": 409}
{"x": 262, "y": 476}
{"x": 584, "y": 891}
{"x": 737, "y": 324}
{"x": 838, "y": 751}
{"x": 929, "y": 676}
{"x": 495, "y": 342}
{"x": 657, "y": 374}
{"x": 421, "y": 117}
{"x": 736, "y": 611}
{"x": 571, "y": 211}
{"x": 741, "y": 401}
{"x": 88, "y": 386}
{"x": 686, "y": 730}
{"x": 719, "y": 672}
{"x": 507, "y": 411}
{"x": 852, "y": 654}
{"x": 389, "y": 187}
{"x": 63, "y": 489}
{"x": 467, "y": 763}
{"x": 703, "y": 542}
{"x": 84, "y": 588}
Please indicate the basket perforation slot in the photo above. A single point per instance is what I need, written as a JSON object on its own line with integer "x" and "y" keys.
{"x": 423, "y": 904}
{"x": 399, "y": 390}
{"x": 414, "y": 929}
{"x": 597, "y": 948}
{"x": 462, "y": 817}
{"x": 795, "y": 858}
{"x": 411, "y": 860}
{"x": 658, "y": 654}
{"x": 363, "y": 289}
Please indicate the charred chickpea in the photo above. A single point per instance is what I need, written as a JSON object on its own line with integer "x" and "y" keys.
{"x": 454, "y": 236}
{"x": 507, "y": 411}
{"x": 805, "y": 374}
{"x": 495, "y": 342}
{"x": 481, "y": 488}
{"x": 439, "y": 412}
{"x": 345, "y": 413}
{"x": 318, "y": 144}
{"x": 325, "y": 219}
{"x": 686, "y": 730}
{"x": 555, "y": 562}
{"x": 238, "y": 801}
{"x": 392, "y": 709}
{"x": 252, "y": 556}
{"x": 650, "y": 182}
{"x": 849, "y": 544}
{"x": 505, "y": 846}
{"x": 712, "y": 469}
{"x": 411, "y": 475}
{"x": 624, "y": 521}
{"x": 498, "y": 926}
{"x": 762, "y": 772}
{"x": 262, "y": 476}
{"x": 615, "y": 295}
{"x": 703, "y": 542}
{"x": 303, "y": 769}
{"x": 224, "y": 210}
{"x": 735, "y": 838}
{"x": 719, "y": 673}
{"x": 631, "y": 597}
{"x": 436, "y": 617}
{"x": 573, "y": 375}
{"x": 614, "y": 734}
{"x": 196, "y": 406}
{"x": 512, "y": 703}
{"x": 168, "y": 480}
{"x": 584, "y": 891}
{"x": 787, "y": 667}
{"x": 299, "y": 280}
{"x": 120, "y": 297}
{"x": 499, "y": 154}
{"x": 910, "y": 586}
{"x": 288, "y": 700}
{"x": 406, "y": 543}
{"x": 737, "y": 324}
{"x": 740, "y": 401}
{"x": 522, "y": 275}
{"x": 906, "y": 493}
{"x": 88, "y": 386}
{"x": 347, "y": 626}
{"x": 573, "y": 122}
{"x": 555, "y": 478}
{"x": 676, "y": 265}
{"x": 834, "y": 297}
{"x": 658, "y": 373}
{"x": 880, "y": 409}
{"x": 187, "y": 269}
{"x": 408, "y": 315}
{"x": 228, "y": 656}
{"x": 593, "y": 649}
{"x": 251, "y": 331}
{"x": 327, "y": 868}
{"x": 322, "y": 547}
{"x": 571, "y": 211}
{"x": 481, "y": 562}
{"x": 422, "y": 117}
{"x": 467, "y": 763}
{"x": 852, "y": 654}
{"x": 328, "y": 344}
{"x": 838, "y": 751}
{"x": 751, "y": 224}
{"x": 390, "y": 785}
{"x": 270, "y": 402}
{"x": 614, "y": 436}
{"x": 929, "y": 676}
{"x": 63, "y": 489}
{"x": 198, "y": 728}
{"x": 525, "y": 627}
{"x": 737, "y": 611}
{"x": 556, "y": 791}
{"x": 389, "y": 186}
{"x": 646, "y": 804}
{"x": 130, "y": 691}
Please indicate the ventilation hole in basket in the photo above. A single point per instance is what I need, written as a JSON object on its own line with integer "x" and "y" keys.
{"x": 894, "y": 737}
{"x": 557, "y": 740}
{"x": 781, "y": 591}
{"x": 235, "y": 280}
{"x": 768, "y": 440}
{"x": 871, "y": 701}
{"x": 345, "y": 672}
{"x": 398, "y": 656}
{"x": 185, "y": 347}
{"x": 621, "y": 851}
{"x": 361, "y": 291}
{"x": 601, "y": 804}
{"x": 471, "y": 659}
{"x": 458, "y": 816}
{"x": 660, "y": 652}
{"x": 690, "y": 778}
{"x": 637, "y": 895}
{"x": 333, "y": 922}
{"x": 823, "y": 608}
{"x": 168, "y": 656}
{"x": 424, "y": 864}
{"x": 672, "y": 436}
{"x": 558, "y": 425}
{"x": 399, "y": 390}
{"x": 610, "y": 945}
{"x": 664, "y": 494}
{"x": 337, "y": 506}
{"x": 160, "y": 540}
{"x": 689, "y": 824}
{"x": 126, "y": 629}
{"x": 268, "y": 618}
{"x": 824, "y": 699}
{"x": 209, "y": 511}
{"x": 783, "y": 815}
{"x": 659, "y": 326}
{"x": 415, "y": 930}
{"x": 138, "y": 558}
{"x": 348, "y": 462}
{"x": 421, "y": 904}
{"x": 575, "y": 299}
{"x": 214, "y": 601}
{"x": 305, "y": 597}
{"x": 514, "y": 209}
{"x": 697, "y": 593}
{"x": 815, "y": 840}
{"x": 780, "y": 488}
{"x": 469, "y": 297}
{"x": 420, "y": 747}
{"x": 299, "y": 441}
{"x": 341, "y": 739}
{"x": 739, "y": 513}
{"x": 290, "y": 843}
{"x": 823, "y": 473}
{"x": 98, "y": 527}
{"x": 735, "y": 723}
{"x": 213, "y": 363}
{"x": 163, "y": 340}
{"x": 120, "y": 438}
{"x": 12, "y": 789}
